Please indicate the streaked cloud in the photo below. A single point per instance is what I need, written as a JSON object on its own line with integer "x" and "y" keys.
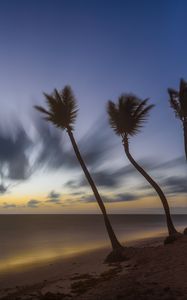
{"x": 53, "y": 197}
{"x": 110, "y": 199}
{"x": 3, "y": 189}
{"x": 9, "y": 205}
{"x": 33, "y": 203}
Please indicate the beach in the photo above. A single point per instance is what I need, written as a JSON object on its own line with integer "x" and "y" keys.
{"x": 93, "y": 150}
{"x": 152, "y": 271}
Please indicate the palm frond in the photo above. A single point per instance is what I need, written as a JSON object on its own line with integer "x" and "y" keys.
{"x": 143, "y": 114}
{"x": 173, "y": 93}
{"x": 176, "y": 107}
{"x": 128, "y": 115}
{"x": 43, "y": 110}
{"x": 57, "y": 96}
{"x": 178, "y": 100}
{"x": 113, "y": 116}
{"x": 182, "y": 86}
{"x": 62, "y": 108}
{"x": 183, "y": 97}
{"x": 140, "y": 106}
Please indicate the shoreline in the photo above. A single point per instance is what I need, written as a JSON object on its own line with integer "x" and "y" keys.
{"x": 90, "y": 261}
{"x": 86, "y": 276}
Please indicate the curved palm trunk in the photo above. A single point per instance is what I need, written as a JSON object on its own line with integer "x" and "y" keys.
{"x": 185, "y": 136}
{"x": 113, "y": 239}
{"x": 170, "y": 226}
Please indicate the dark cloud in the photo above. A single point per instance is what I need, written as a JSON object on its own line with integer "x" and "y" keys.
{"x": 94, "y": 146}
{"x": 98, "y": 143}
{"x": 7, "y": 205}
{"x": 175, "y": 185}
{"x": 13, "y": 157}
{"x": 111, "y": 199}
{"x": 72, "y": 184}
{"x": 105, "y": 178}
{"x": 3, "y": 189}
{"x": 113, "y": 178}
{"x": 33, "y": 203}
{"x": 55, "y": 201}
{"x": 54, "y": 197}
{"x": 127, "y": 197}
{"x": 11, "y": 146}
{"x": 77, "y": 193}
{"x": 176, "y": 162}
{"x": 53, "y": 154}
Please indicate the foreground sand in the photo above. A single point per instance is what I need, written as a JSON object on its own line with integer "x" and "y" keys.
{"x": 153, "y": 271}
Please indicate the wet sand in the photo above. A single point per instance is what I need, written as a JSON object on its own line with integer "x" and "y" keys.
{"x": 152, "y": 271}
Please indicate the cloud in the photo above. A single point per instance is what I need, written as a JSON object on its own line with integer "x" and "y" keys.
{"x": 126, "y": 197}
{"x": 174, "y": 163}
{"x": 176, "y": 185}
{"x": 53, "y": 153}
{"x": 171, "y": 186}
{"x": 98, "y": 143}
{"x": 3, "y": 189}
{"x": 54, "y": 197}
{"x": 72, "y": 184}
{"x": 57, "y": 152}
{"x": 33, "y": 203}
{"x": 111, "y": 199}
{"x": 13, "y": 158}
{"x": 103, "y": 179}
{"x": 7, "y": 205}
{"x": 106, "y": 178}
{"x": 77, "y": 193}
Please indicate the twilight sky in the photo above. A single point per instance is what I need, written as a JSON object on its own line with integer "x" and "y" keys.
{"x": 100, "y": 48}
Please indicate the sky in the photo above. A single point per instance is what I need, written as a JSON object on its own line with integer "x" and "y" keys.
{"x": 102, "y": 49}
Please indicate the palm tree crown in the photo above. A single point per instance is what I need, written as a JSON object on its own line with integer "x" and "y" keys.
{"x": 178, "y": 100}
{"x": 128, "y": 115}
{"x": 62, "y": 108}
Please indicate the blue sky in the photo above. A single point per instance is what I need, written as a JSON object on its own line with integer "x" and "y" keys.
{"x": 100, "y": 48}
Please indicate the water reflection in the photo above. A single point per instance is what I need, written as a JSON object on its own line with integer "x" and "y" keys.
{"x": 30, "y": 240}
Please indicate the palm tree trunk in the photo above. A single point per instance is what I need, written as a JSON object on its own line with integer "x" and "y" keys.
{"x": 185, "y": 136}
{"x": 113, "y": 239}
{"x": 170, "y": 225}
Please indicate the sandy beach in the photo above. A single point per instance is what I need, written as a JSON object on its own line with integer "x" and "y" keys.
{"x": 152, "y": 271}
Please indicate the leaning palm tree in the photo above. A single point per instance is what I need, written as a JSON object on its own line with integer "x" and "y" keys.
{"x": 178, "y": 101}
{"x": 62, "y": 113}
{"x": 126, "y": 118}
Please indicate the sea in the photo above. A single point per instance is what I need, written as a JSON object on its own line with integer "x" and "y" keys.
{"x": 30, "y": 239}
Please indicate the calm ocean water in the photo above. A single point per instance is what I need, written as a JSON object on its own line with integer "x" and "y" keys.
{"x": 29, "y": 239}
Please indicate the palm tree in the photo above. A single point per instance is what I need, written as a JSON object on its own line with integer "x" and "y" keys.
{"x": 126, "y": 119}
{"x": 62, "y": 113}
{"x": 178, "y": 101}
